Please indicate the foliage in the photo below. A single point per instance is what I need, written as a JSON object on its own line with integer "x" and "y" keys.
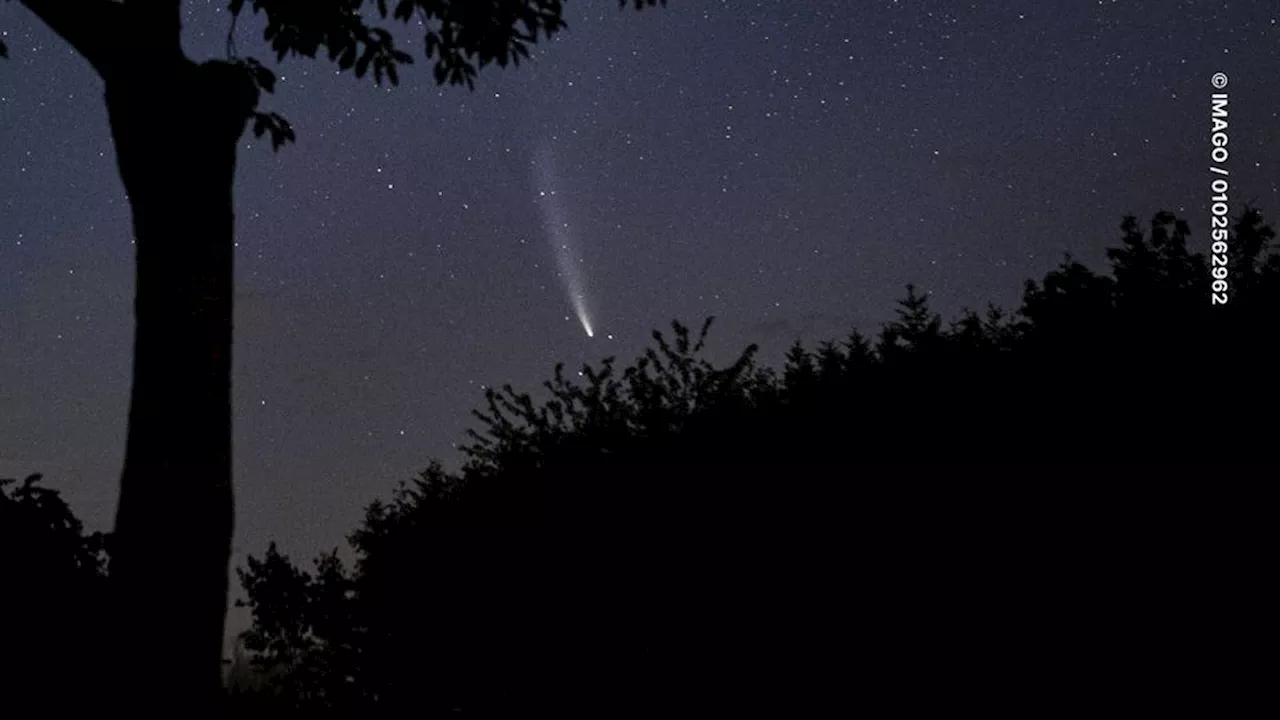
{"x": 574, "y": 521}
{"x": 464, "y": 580}
{"x": 57, "y": 545}
{"x": 460, "y": 37}
{"x": 304, "y": 630}
{"x": 54, "y": 580}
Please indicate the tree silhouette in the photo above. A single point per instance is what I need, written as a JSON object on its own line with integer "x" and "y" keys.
{"x": 54, "y": 576}
{"x": 304, "y": 637}
{"x": 177, "y": 161}
{"x": 711, "y": 536}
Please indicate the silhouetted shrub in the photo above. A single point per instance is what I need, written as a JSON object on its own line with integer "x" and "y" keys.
{"x": 53, "y": 597}
{"x": 680, "y": 535}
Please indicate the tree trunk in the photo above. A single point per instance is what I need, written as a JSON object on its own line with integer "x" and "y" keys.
{"x": 176, "y": 126}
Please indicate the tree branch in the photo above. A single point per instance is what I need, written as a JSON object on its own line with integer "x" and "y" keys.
{"x": 92, "y": 27}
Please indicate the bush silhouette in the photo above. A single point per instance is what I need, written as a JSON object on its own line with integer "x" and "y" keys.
{"x": 54, "y": 589}
{"x": 680, "y": 536}
{"x": 686, "y": 536}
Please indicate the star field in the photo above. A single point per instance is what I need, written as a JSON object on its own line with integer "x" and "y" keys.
{"x": 785, "y": 166}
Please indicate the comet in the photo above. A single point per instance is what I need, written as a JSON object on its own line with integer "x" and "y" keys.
{"x": 555, "y": 220}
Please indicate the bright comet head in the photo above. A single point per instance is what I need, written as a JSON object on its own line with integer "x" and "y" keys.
{"x": 586, "y": 322}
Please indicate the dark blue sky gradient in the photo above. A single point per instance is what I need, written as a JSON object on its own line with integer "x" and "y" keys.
{"x": 785, "y": 166}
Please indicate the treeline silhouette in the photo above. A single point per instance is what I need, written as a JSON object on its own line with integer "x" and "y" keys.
{"x": 684, "y": 538}
{"x": 924, "y": 517}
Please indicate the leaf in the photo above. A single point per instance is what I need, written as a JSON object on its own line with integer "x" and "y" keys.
{"x": 283, "y": 133}
{"x": 348, "y": 57}
{"x": 263, "y": 77}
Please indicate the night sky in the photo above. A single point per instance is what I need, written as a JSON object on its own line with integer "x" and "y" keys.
{"x": 786, "y": 166}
